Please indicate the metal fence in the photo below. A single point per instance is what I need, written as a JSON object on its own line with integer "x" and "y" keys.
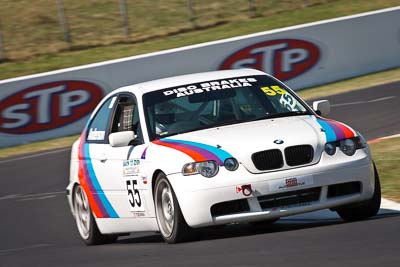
{"x": 29, "y": 28}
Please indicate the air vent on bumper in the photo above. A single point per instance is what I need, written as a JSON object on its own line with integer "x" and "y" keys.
{"x": 298, "y": 197}
{"x": 230, "y": 207}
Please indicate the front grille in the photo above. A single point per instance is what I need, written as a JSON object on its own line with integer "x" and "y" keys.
{"x": 289, "y": 198}
{"x": 230, "y": 207}
{"x": 299, "y": 155}
{"x": 268, "y": 159}
{"x": 349, "y": 188}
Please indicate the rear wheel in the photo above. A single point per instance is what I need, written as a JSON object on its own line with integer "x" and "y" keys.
{"x": 365, "y": 209}
{"x": 85, "y": 221}
{"x": 173, "y": 226}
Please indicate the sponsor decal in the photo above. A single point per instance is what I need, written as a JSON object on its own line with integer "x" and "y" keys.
{"x": 48, "y": 106}
{"x": 282, "y": 58}
{"x": 292, "y": 182}
{"x": 287, "y": 101}
{"x": 209, "y": 86}
{"x": 95, "y": 135}
{"x": 131, "y": 167}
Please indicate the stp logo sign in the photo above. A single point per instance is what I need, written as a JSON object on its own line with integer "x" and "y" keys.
{"x": 284, "y": 58}
{"x": 48, "y": 106}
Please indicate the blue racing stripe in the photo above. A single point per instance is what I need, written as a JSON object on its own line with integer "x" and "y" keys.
{"x": 329, "y": 133}
{"x": 107, "y": 205}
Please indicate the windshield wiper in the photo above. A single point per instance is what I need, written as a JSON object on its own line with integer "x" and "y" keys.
{"x": 283, "y": 114}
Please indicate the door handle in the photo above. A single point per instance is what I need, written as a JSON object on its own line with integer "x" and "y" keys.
{"x": 103, "y": 158}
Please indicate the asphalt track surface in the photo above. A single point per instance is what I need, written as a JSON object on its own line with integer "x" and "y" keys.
{"x": 37, "y": 229}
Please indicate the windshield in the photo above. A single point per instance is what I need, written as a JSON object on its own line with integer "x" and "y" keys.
{"x": 215, "y": 103}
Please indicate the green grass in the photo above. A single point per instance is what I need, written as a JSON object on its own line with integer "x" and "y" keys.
{"x": 33, "y": 42}
{"x": 34, "y": 147}
{"x": 386, "y": 155}
{"x": 352, "y": 84}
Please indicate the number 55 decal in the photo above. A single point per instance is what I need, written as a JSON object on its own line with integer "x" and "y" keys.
{"x": 134, "y": 198}
{"x": 273, "y": 90}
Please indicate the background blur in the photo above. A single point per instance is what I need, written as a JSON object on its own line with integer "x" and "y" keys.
{"x": 30, "y": 28}
{"x": 43, "y": 35}
{"x": 35, "y": 27}
{"x": 36, "y": 36}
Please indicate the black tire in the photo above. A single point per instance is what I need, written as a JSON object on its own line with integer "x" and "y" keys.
{"x": 365, "y": 209}
{"x": 85, "y": 222}
{"x": 173, "y": 227}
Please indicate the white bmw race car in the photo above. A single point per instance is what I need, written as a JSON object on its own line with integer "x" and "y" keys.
{"x": 210, "y": 149}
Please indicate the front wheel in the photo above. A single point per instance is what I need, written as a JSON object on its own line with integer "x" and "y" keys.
{"x": 173, "y": 226}
{"x": 85, "y": 221}
{"x": 365, "y": 209}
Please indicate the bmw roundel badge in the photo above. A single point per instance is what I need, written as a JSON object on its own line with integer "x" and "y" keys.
{"x": 278, "y": 141}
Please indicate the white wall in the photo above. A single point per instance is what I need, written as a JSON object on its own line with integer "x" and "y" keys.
{"x": 57, "y": 103}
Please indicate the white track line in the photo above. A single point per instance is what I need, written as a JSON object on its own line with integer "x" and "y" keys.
{"x": 35, "y": 155}
{"x": 364, "y": 102}
{"x": 391, "y": 136}
{"x": 32, "y": 196}
{"x": 25, "y": 248}
{"x": 37, "y": 198}
{"x": 389, "y": 204}
{"x": 377, "y": 140}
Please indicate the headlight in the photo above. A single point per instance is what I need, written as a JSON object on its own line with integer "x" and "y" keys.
{"x": 189, "y": 169}
{"x": 231, "y": 164}
{"x": 348, "y": 146}
{"x": 206, "y": 168}
{"x": 361, "y": 142}
{"x": 330, "y": 148}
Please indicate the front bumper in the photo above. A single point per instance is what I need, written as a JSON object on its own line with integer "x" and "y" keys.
{"x": 197, "y": 195}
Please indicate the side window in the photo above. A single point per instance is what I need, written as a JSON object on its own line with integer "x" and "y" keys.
{"x": 99, "y": 125}
{"x": 126, "y": 117}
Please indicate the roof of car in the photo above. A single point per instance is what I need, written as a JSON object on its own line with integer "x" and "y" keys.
{"x": 154, "y": 85}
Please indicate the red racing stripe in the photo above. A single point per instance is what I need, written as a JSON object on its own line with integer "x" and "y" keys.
{"x": 83, "y": 176}
{"x": 191, "y": 153}
{"x": 348, "y": 133}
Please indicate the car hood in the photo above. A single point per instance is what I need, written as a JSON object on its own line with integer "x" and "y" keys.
{"x": 242, "y": 140}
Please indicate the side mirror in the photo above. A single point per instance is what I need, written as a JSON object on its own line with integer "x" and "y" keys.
{"x": 322, "y": 107}
{"x": 121, "y": 138}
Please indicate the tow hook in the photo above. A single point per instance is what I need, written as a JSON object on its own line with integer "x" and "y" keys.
{"x": 245, "y": 189}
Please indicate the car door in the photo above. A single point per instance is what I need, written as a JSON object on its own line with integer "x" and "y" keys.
{"x": 93, "y": 147}
{"x": 120, "y": 168}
